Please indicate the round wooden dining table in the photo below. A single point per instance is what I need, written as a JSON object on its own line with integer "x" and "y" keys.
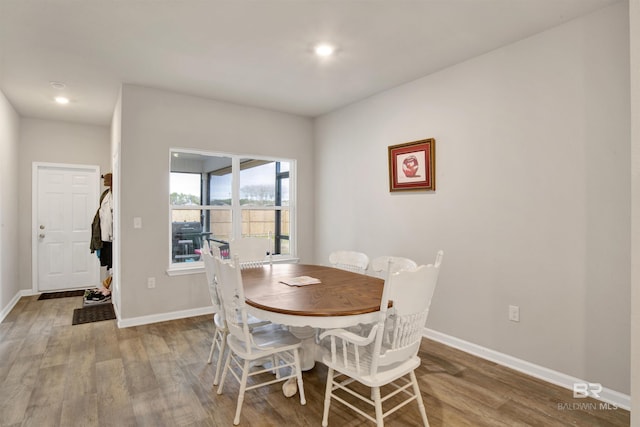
{"x": 341, "y": 299}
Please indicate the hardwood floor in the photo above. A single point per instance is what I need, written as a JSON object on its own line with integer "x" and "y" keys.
{"x": 55, "y": 374}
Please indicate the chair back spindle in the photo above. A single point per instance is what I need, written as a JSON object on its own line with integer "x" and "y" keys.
{"x": 210, "y": 272}
{"x": 253, "y": 252}
{"x": 231, "y": 289}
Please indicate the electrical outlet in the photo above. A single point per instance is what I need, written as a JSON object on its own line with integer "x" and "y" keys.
{"x": 514, "y": 313}
{"x": 151, "y": 282}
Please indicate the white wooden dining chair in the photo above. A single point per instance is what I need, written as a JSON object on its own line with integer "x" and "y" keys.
{"x": 220, "y": 330}
{"x": 380, "y": 265}
{"x": 349, "y": 260}
{"x": 252, "y": 251}
{"x": 247, "y": 346}
{"x": 388, "y": 354}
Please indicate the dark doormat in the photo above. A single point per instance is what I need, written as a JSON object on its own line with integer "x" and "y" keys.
{"x": 93, "y": 313}
{"x": 63, "y": 294}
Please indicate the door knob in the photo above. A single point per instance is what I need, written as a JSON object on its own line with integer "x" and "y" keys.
{"x": 41, "y": 235}
{"x": 42, "y": 227}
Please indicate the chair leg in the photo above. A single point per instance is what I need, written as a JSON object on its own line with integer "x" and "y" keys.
{"x": 221, "y": 349}
{"x": 378, "y": 405}
{"x": 275, "y": 364}
{"x": 327, "y": 398}
{"x": 213, "y": 345}
{"x": 296, "y": 357}
{"x": 243, "y": 385}
{"x": 224, "y": 371}
{"x": 416, "y": 391}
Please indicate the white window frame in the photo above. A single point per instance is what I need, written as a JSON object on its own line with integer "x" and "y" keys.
{"x": 236, "y": 208}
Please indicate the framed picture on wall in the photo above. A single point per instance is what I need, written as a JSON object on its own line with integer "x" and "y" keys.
{"x": 412, "y": 166}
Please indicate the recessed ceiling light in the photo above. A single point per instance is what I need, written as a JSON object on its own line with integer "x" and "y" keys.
{"x": 61, "y": 100}
{"x": 324, "y": 50}
{"x": 57, "y": 85}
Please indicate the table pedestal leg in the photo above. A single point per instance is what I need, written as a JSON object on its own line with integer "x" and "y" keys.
{"x": 307, "y": 335}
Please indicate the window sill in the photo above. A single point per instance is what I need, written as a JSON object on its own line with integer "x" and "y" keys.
{"x": 181, "y": 269}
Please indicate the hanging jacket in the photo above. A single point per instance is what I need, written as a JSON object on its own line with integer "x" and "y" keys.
{"x": 96, "y": 232}
{"x": 106, "y": 218}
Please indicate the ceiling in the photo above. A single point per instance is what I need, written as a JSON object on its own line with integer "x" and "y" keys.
{"x": 252, "y": 52}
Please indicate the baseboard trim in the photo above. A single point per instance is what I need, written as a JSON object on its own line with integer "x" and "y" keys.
{"x": 549, "y": 375}
{"x": 21, "y": 293}
{"x": 163, "y": 317}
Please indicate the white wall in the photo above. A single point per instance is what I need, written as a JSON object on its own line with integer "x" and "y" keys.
{"x": 153, "y": 121}
{"x": 116, "y": 133}
{"x": 9, "y": 126}
{"x": 634, "y": 15}
{"x": 53, "y": 142}
{"x": 533, "y": 194}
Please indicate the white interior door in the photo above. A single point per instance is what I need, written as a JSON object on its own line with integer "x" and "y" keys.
{"x": 65, "y": 202}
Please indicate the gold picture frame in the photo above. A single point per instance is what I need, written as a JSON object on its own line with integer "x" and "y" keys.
{"x": 412, "y": 166}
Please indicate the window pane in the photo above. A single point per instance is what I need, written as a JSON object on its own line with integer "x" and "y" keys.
{"x": 282, "y": 239}
{"x": 258, "y": 223}
{"x": 284, "y": 248}
{"x": 284, "y": 222}
{"x": 268, "y": 222}
{"x": 185, "y": 188}
{"x": 186, "y": 215}
{"x": 284, "y": 195}
{"x": 190, "y": 227}
{"x": 219, "y": 169}
{"x": 220, "y": 225}
{"x": 186, "y": 235}
{"x": 257, "y": 183}
{"x": 220, "y": 187}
